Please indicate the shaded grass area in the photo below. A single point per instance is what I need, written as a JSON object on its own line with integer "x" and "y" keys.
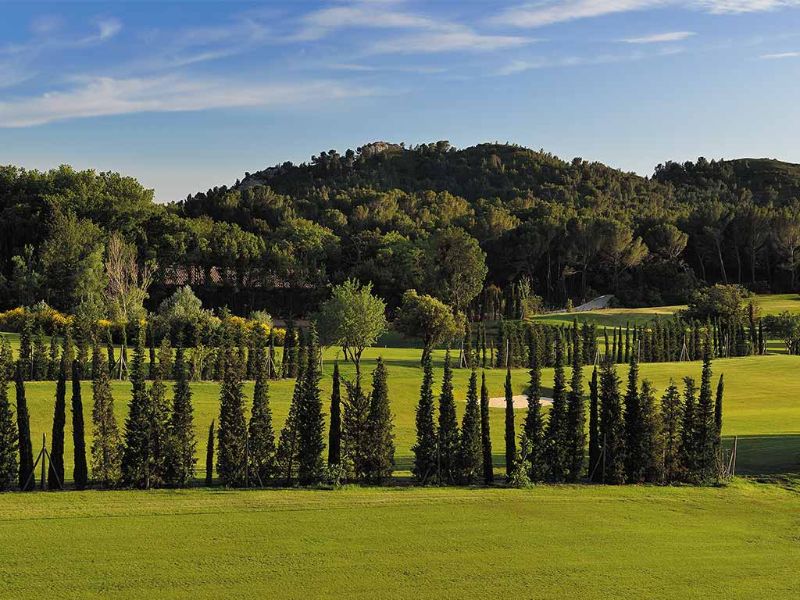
{"x": 762, "y": 399}
{"x": 548, "y": 542}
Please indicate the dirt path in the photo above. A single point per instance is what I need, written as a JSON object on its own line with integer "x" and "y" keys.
{"x": 519, "y": 402}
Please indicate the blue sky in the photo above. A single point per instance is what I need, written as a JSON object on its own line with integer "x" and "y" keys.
{"x": 188, "y": 95}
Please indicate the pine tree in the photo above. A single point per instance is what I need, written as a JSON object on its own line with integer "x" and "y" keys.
{"x": 381, "y": 436}
{"x": 556, "y": 425}
{"x": 511, "y": 431}
{"x": 671, "y": 424}
{"x": 80, "y": 473}
{"x": 718, "y": 415}
{"x": 634, "y": 459}
{"x": 335, "y": 428}
{"x": 425, "y": 451}
{"x": 704, "y": 424}
{"x": 181, "y": 431}
{"x": 470, "y": 452}
{"x": 9, "y": 439}
{"x": 55, "y": 476}
{"x": 448, "y": 428}
{"x": 106, "y": 443}
{"x": 652, "y": 439}
{"x": 575, "y": 431}
{"x": 486, "y": 438}
{"x": 688, "y": 446}
{"x": 310, "y": 422}
{"x": 261, "y": 435}
{"x": 612, "y": 426}
{"x": 232, "y": 432}
{"x": 210, "y": 455}
{"x": 594, "y": 425}
{"x": 136, "y": 460}
{"x": 533, "y": 429}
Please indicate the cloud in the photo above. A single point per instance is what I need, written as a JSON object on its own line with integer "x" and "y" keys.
{"x": 780, "y": 55}
{"x": 104, "y": 96}
{"x": 521, "y": 66}
{"x": 550, "y": 12}
{"x": 660, "y": 38}
{"x": 447, "y": 41}
{"x": 370, "y": 15}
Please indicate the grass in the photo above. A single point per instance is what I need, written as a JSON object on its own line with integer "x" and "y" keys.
{"x": 762, "y": 402}
{"x": 740, "y": 541}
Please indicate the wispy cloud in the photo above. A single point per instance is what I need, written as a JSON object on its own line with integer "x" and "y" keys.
{"x": 105, "y": 96}
{"x": 780, "y": 55}
{"x": 550, "y": 12}
{"x": 660, "y": 38}
{"x": 463, "y": 39}
{"x": 521, "y": 66}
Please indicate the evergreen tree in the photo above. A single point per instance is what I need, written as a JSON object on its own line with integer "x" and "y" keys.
{"x": 159, "y": 428}
{"x": 80, "y": 473}
{"x": 310, "y": 422}
{"x": 486, "y": 438}
{"x": 232, "y": 432}
{"x": 287, "y": 443}
{"x": 9, "y": 439}
{"x": 718, "y": 415}
{"x": 575, "y": 431}
{"x": 470, "y": 451}
{"x": 652, "y": 440}
{"x": 381, "y": 445}
{"x": 594, "y": 425}
{"x": 533, "y": 429}
{"x": 511, "y": 432}
{"x": 448, "y": 428}
{"x": 7, "y": 366}
{"x": 671, "y": 424}
{"x": 106, "y": 443}
{"x": 39, "y": 360}
{"x": 612, "y": 426}
{"x": 634, "y": 450}
{"x": 25, "y": 358}
{"x": 210, "y": 455}
{"x": 705, "y": 428}
{"x": 356, "y": 433}
{"x": 335, "y": 429}
{"x": 166, "y": 359}
{"x": 557, "y": 424}
{"x": 261, "y": 436}
{"x": 289, "y": 361}
{"x": 688, "y": 446}
{"x": 55, "y": 476}
{"x": 425, "y": 451}
{"x": 53, "y": 363}
{"x": 182, "y": 459}
{"x": 136, "y": 459}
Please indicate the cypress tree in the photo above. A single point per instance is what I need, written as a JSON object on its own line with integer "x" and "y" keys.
{"x": 160, "y": 422}
{"x": 634, "y": 452}
{"x": 704, "y": 423}
{"x": 671, "y": 424}
{"x": 39, "y": 360}
{"x": 594, "y": 425}
{"x": 55, "y": 476}
{"x": 232, "y": 431}
{"x": 381, "y": 445}
{"x": 356, "y": 431}
{"x": 688, "y": 447}
{"x": 533, "y": 428}
{"x": 9, "y": 440}
{"x": 486, "y": 438}
{"x": 288, "y": 363}
{"x": 448, "y": 428}
{"x": 106, "y": 443}
{"x": 261, "y": 436}
{"x": 470, "y": 452}
{"x": 287, "y": 443}
{"x": 718, "y": 415}
{"x": 467, "y": 348}
{"x": 181, "y": 431}
{"x": 511, "y": 433}
{"x": 556, "y": 426}
{"x": 136, "y": 455}
{"x": 53, "y": 363}
{"x": 652, "y": 441}
{"x": 273, "y": 372}
{"x": 80, "y": 473}
{"x": 7, "y": 366}
{"x": 310, "y": 422}
{"x": 25, "y": 358}
{"x": 612, "y": 426}
{"x": 335, "y": 429}
{"x": 210, "y": 455}
{"x": 576, "y": 417}
{"x": 425, "y": 450}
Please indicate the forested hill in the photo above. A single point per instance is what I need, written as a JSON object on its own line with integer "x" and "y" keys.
{"x": 462, "y": 224}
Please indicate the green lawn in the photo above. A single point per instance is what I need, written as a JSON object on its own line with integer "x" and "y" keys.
{"x": 740, "y": 541}
{"x": 762, "y": 399}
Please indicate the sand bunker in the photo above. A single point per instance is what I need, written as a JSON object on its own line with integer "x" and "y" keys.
{"x": 519, "y": 402}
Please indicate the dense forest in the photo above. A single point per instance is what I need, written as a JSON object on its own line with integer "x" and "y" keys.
{"x": 472, "y": 227}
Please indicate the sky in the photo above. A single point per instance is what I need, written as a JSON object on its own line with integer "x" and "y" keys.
{"x": 188, "y": 95}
